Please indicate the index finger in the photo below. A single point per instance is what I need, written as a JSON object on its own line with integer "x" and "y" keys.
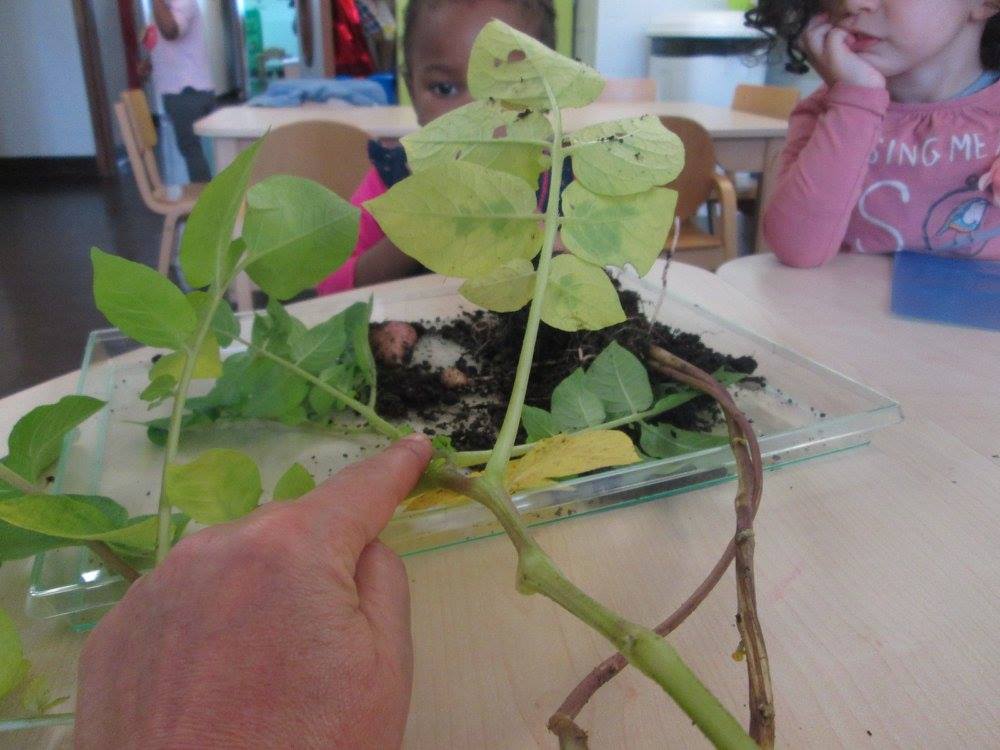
{"x": 358, "y": 501}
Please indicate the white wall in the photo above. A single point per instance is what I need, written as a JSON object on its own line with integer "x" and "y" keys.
{"x": 43, "y": 98}
{"x": 611, "y": 34}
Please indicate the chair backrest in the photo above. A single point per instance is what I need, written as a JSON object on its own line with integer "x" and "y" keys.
{"x": 144, "y": 132}
{"x": 132, "y": 147}
{"x": 331, "y": 153}
{"x": 770, "y": 101}
{"x": 628, "y": 90}
{"x": 695, "y": 183}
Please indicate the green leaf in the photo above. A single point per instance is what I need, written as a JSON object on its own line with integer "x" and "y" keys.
{"x": 11, "y": 655}
{"x": 357, "y": 319}
{"x": 615, "y": 230}
{"x": 271, "y": 390}
{"x": 664, "y": 440}
{"x": 37, "y": 698}
{"x": 461, "y": 219}
{"x": 205, "y": 252}
{"x": 538, "y": 423}
{"x": 294, "y": 483}
{"x": 157, "y": 429}
{"x": 510, "y": 66}
{"x": 296, "y": 232}
{"x": 620, "y": 380}
{"x": 574, "y": 405}
{"x": 158, "y": 390}
{"x": 141, "y": 302}
{"x": 77, "y": 517}
{"x": 220, "y": 485}
{"x": 487, "y": 134}
{"x": 580, "y": 296}
{"x": 626, "y": 156}
{"x": 225, "y": 326}
{"x": 37, "y": 438}
{"x": 319, "y": 347}
{"x": 505, "y": 289}
{"x": 343, "y": 377}
{"x": 206, "y": 364}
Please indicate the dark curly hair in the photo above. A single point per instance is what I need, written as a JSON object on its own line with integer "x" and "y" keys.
{"x": 784, "y": 21}
{"x": 543, "y": 10}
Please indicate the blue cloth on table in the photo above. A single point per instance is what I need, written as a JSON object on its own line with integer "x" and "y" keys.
{"x": 960, "y": 291}
{"x": 294, "y": 92}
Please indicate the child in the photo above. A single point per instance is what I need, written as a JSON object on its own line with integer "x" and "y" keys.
{"x": 900, "y": 149}
{"x": 437, "y": 41}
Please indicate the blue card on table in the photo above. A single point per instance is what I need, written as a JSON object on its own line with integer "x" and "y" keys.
{"x": 961, "y": 291}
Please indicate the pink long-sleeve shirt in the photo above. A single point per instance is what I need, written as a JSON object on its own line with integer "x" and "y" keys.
{"x": 863, "y": 174}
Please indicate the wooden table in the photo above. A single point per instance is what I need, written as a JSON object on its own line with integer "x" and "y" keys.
{"x": 743, "y": 142}
{"x": 877, "y": 566}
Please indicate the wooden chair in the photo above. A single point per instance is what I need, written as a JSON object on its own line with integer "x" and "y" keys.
{"x": 697, "y": 183}
{"x": 628, "y": 90}
{"x": 769, "y": 101}
{"x": 330, "y": 153}
{"x": 139, "y": 136}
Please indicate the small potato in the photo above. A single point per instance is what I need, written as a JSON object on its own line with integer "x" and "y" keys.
{"x": 393, "y": 342}
{"x": 453, "y": 378}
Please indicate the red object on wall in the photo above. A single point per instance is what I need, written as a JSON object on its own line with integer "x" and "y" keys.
{"x": 126, "y": 16}
{"x": 351, "y": 55}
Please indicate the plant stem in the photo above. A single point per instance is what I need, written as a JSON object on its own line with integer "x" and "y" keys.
{"x": 99, "y": 548}
{"x": 164, "y": 521}
{"x": 386, "y": 428}
{"x": 36, "y": 722}
{"x": 653, "y": 656}
{"x": 512, "y": 419}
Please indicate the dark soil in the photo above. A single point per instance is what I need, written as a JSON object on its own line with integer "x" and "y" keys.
{"x": 492, "y": 342}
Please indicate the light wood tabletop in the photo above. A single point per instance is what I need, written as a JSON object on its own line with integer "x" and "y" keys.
{"x": 876, "y": 566}
{"x": 744, "y": 142}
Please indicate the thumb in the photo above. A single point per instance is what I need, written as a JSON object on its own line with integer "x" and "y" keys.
{"x": 384, "y": 600}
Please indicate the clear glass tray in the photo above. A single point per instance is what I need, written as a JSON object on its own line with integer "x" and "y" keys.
{"x": 805, "y": 410}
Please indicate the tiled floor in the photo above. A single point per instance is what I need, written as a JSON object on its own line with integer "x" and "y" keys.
{"x": 46, "y": 232}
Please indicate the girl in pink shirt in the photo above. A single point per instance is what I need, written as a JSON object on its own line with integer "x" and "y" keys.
{"x": 437, "y": 41}
{"x": 899, "y": 150}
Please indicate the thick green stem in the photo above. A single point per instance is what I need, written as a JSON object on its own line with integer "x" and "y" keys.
{"x": 644, "y": 649}
{"x": 164, "y": 521}
{"x": 512, "y": 419}
{"x": 36, "y": 722}
{"x": 363, "y": 410}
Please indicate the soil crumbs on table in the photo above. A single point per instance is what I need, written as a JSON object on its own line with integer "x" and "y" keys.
{"x": 472, "y": 412}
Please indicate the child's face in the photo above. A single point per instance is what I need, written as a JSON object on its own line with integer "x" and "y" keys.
{"x": 442, "y": 43}
{"x": 902, "y": 36}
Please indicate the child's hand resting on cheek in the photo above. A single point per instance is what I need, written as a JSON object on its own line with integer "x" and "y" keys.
{"x": 831, "y": 51}
{"x": 991, "y": 180}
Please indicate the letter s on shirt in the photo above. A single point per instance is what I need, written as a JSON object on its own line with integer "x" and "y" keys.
{"x": 904, "y": 194}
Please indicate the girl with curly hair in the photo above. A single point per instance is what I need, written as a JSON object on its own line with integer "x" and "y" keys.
{"x": 899, "y": 150}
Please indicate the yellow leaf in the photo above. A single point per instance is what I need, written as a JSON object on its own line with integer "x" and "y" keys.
{"x": 567, "y": 455}
{"x": 438, "y": 498}
{"x": 207, "y": 364}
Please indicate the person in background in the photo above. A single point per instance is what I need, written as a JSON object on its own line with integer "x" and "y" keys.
{"x": 182, "y": 75}
{"x": 437, "y": 40}
{"x": 899, "y": 150}
{"x": 289, "y": 628}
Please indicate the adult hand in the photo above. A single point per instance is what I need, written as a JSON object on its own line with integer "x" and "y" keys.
{"x": 287, "y": 628}
{"x": 829, "y": 50}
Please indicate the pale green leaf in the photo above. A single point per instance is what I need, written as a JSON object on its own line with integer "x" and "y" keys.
{"x": 569, "y": 455}
{"x": 461, "y": 219}
{"x": 37, "y": 438}
{"x": 225, "y": 326}
{"x": 141, "y": 302}
{"x": 574, "y": 406}
{"x": 580, "y": 296}
{"x": 294, "y": 483}
{"x": 296, "y": 233}
{"x": 615, "y": 230}
{"x": 220, "y": 485}
{"x": 665, "y": 440}
{"x": 11, "y": 655}
{"x": 626, "y": 156}
{"x": 505, "y": 289}
{"x": 206, "y": 255}
{"x": 538, "y": 423}
{"x": 77, "y": 517}
{"x": 620, "y": 380}
{"x": 206, "y": 365}
{"x": 159, "y": 389}
{"x": 510, "y": 66}
{"x": 487, "y": 134}
{"x": 18, "y": 543}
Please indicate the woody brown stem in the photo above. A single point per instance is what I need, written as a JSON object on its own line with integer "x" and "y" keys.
{"x": 750, "y": 471}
